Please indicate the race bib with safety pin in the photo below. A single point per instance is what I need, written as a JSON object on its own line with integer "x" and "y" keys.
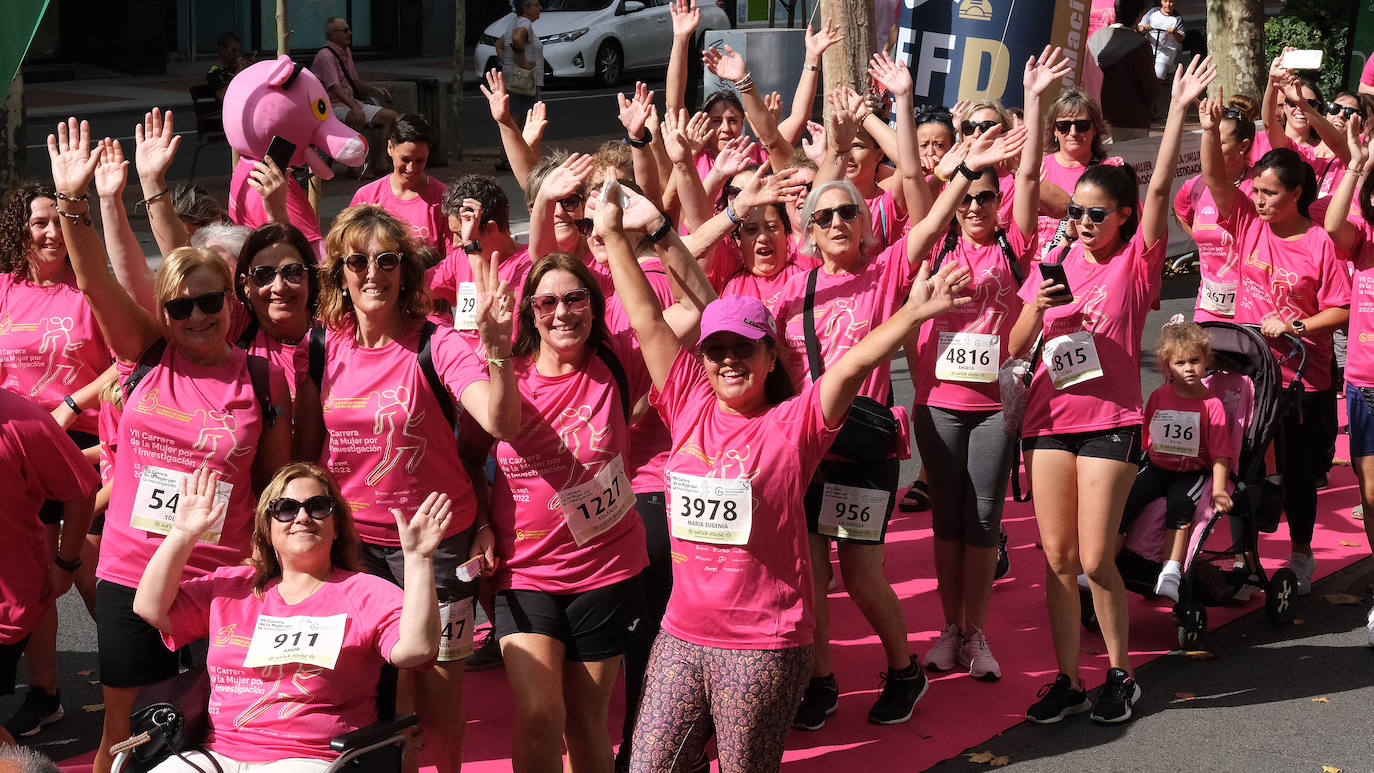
{"x": 1176, "y": 432}
{"x": 1072, "y": 359}
{"x": 1219, "y": 297}
{"x": 968, "y": 357}
{"x": 155, "y": 503}
{"x": 455, "y": 630}
{"x": 465, "y": 310}
{"x": 715, "y": 510}
{"x": 314, "y": 641}
{"x": 595, "y": 507}
{"x": 851, "y": 512}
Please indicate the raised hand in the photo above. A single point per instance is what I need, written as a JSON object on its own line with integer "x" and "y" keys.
{"x": 112, "y": 172}
{"x": 1192, "y": 81}
{"x": 196, "y": 511}
{"x": 845, "y": 117}
{"x": 727, "y": 64}
{"x": 634, "y": 113}
{"x": 71, "y": 158}
{"x": 608, "y": 216}
{"x": 932, "y": 295}
{"x": 536, "y": 120}
{"x": 994, "y": 146}
{"x": 893, "y": 76}
{"x": 497, "y": 99}
{"x": 773, "y": 101}
{"x": 423, "y": 533}
{"x": 470, "y": 220}
{"x": 1044, "y": 70}
{"x": 1359, "y": 150}
{"x": 495, "y": 310}
{"x": 762, "y": 188}
{"x": 686, "y": 17}
{"x": 959, "y": 109}
{"x": 1276, "y": 68}
{"x": 675, "y": 141}
{"x": 155, "y": 144}
{"x": 736, "y": 155}
{"x": 954, "y": 157}
{"x": 818, "y": 42}
{"x": 814, "y": 148}
{"x": 568, "y": 178}
{"x": 698, "y": 131}
{"x": 1209, "y": 113}
{"x": 270, "y": 183}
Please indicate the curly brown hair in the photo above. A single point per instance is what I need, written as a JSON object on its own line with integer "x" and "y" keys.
{"x": 14, "y": 225}
{"x": 343, "y": 554}
{"x": 352, "y": 230}
{"x": 1179, "y": 339}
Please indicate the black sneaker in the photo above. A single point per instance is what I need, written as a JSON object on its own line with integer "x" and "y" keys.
{"x": 1114, "y": 702}
{"x": 486, "y": 656}
{"x": 1058, "y": 699}
{"x": 38, "y": 710}
{"x": 1003, "y": 560}
{"x": 901, "y": 690}
{"x": 821, "y": 700}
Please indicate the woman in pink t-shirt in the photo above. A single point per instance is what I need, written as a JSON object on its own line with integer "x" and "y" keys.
{"x": 1291, "y": 283}
{"x": 383, "y": 380}
{"x": 198, "y": 402}
{"x": 276, "y": 280}
{"x": 310, "y": 631}
{"x": 737, "y": 636}
{"x": 1294, "y": 114}
{"x": 1081, "y": 431}
{"x": 409, "y": 193}
{"x": 1075, "y": 136}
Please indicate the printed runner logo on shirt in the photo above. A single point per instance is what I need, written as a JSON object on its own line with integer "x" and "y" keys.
{"x": 297, "y": 639}
{"x": 56, "y": 351}
{"x": 216, "y": 441}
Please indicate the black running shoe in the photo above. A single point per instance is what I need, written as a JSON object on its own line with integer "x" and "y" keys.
{"x": 487, "y": 656}
{"x": 1114, "y": 702}
{"x": 901, "y": 690}
{"x": 821, "y": 700}
{"x": 1058, "y": 699}
{"x": 39, "y": 709}
{"x": 1003, "y": 560}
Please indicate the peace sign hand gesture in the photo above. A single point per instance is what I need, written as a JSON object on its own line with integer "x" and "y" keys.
{"x": 495, "y": 309}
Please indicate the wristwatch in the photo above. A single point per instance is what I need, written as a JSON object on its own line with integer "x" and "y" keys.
{"x": 964, "y": 170}
{"x": 1298, "y": 326}
{"x": 661, "y": 232}
{"x": 642, "y": 141}
{"x": 65, "y": 565}
{"x": 71, "y": 403}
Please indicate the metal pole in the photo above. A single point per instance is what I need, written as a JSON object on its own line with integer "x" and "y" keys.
{"x": 283, "y": 34}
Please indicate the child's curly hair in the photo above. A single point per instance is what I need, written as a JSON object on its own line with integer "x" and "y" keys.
{"x": 1179, "y": 338}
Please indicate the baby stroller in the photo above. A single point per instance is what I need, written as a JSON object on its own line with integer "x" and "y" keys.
{"x": 1245, "y": 375}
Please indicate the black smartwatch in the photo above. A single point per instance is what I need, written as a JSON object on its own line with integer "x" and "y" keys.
{"x": 65, "y": 565}
{"x": 662, "y": 232}
{"x": 963, "y": 169}
{"x": 76, "y": 409}
{"x": 643, "y": 141}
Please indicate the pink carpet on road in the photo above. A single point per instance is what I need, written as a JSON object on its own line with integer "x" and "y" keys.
{"x": 958, "y": 712}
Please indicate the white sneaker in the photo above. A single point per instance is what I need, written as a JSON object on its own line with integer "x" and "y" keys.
{"x": 945, "y": 652}
{"x": 1303, "y": 566}
{"x": 1167, "y": 584}
{"x": 977, "y": 657}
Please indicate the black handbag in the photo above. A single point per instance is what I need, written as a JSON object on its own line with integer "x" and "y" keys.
{"x": 173, "y": 715}
{"x": 870, "y": 429}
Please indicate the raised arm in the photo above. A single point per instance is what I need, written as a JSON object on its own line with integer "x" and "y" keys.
{"x": 840, "y": 134}
{"x": 634, "y": 116}
{"x": 986, "y": 150}
{"x": 196, "y": 513}
{"x": 155, "y": 145}
{"x": 913, "y": 195}
{"x": 521, "y": 156}
{"x": 562, "y": 182}
{"x": 127, "y": 327}
{"x": 1222, "y": 188}
{"x": 728, "y": 64}
{"x": 1345, "y": 234}
{"x": 682, "y": 138}
{"x": 418, "y": 642}
{"x": 1291, "y": 88}
{"x": 1270, "y": 111}
{"x": 1041, "y": 73}
{"x": 804, "y": 99}
{"x": 126, "y": 257}
{"x": 686, "y": 16}
{"x": 1190, "y": 83}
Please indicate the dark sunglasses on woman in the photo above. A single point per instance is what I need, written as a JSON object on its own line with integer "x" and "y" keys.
{"x": 1097, "y": 215}
{"x": 181, "y": 308}
{"x": 386, "y": 261}
{"x": 1336, "y": 108}
{"x": 847, "y": 212}
{"x": 981, "y": 198}
{"x": 970, "y": 128}
{"x": 1312, "y": 103}
{"x": 284, "y": 509}
{"x": 575, "y": 300}
{"x": 740, "y": 349}
{"x": 294, "y": 273}
{"x": 1081, "y": 125}
{"x": 571, "y": 202}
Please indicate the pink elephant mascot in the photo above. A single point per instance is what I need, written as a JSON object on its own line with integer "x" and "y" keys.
{"x": 282, "y": 98}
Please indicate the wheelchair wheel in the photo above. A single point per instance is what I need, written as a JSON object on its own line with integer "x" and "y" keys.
{"x": 1280, "y": 596}
{"x": 1192, "y": 624}
{"x": 1087, "y": 614}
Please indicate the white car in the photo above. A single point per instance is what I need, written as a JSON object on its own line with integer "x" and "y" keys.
{"x": 601, "y": 39}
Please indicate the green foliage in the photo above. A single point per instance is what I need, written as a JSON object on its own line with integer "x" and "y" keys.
{"x": 1319, "y": 24}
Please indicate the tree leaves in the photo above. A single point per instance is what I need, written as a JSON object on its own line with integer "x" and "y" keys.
{"x": 988, "y": 758}
{"x": 1343, "y": 599}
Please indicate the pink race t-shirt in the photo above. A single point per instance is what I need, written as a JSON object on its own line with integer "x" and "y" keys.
{"x": 848, "y": 306}
{"x": 648, "y": 437}
{"x": 1205, "y": 415}
{"x": 1110, "y": 302}
{"x": 291, "y": 358}
{"x": 1359, "y": 353}
{"x": 993, "y": 312}
{"x": 766, "y": 288}
{"x": 1217, "y": 253}
{"x": 446, "y": 279}
{"x": 1367, "y": 74}
{"x": 180, "y": 417}
{"x": 572, "y": 428}
{"x": 887, "y": 224}
{"x": 293, "y": 709}
{"x": 37, "y": 462}
{"x": 757, "y": 594}
{"x": 428, "y": 224}
{"x": 50, "y": 344}
{"x": 1289, "y": 279}
{"x": 245, "y": 205}
{"x": 1065, "y": 177}
{"x": 389, "y": 444}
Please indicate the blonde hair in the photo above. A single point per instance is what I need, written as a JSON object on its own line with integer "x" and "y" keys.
{"x": 1181, "y": 338}
{"x": 344, "y": 552}
{"x": 993, "y": 105}
{"x": 181, "y": 263}
{"x": 352, "y": 230}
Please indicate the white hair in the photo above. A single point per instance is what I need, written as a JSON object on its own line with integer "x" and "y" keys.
{"x": 868, "y": 243}
{"x": 28, "y": 760}
{"x": 222, "y": 237}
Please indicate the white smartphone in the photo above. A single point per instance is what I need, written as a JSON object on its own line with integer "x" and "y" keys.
{"x": 1309, "y": 59}
{"x": 470, "y": 569}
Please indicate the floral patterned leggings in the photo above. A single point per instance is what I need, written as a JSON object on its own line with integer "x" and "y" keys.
{"x": 751, "y": 697}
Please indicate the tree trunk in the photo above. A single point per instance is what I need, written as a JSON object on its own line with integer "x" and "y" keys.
{"x": 453, "y": 141}
{"x": 12, "y": 159}
{"x": 1235, "y": 39}
{"x": 283, "y": 31}
{"x": 847, "y": 61}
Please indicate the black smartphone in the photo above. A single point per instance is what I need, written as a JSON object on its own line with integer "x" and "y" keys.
{"x": 281, "y": 150}
{"x": 1055, "y": 273}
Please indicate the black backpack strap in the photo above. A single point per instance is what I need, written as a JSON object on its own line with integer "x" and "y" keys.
{"x": 951, "y": 241}
{"x": 249, "y": 333}
{"x": 432, "y": 376}
{"x": 814, "y": 363}
{"x": 1013, "y": 262}
{"x": 260, "y": 374}
{"x": 612, "y": 362}
{"x": 315, "y": 355}
{"x": 151, "y": 357}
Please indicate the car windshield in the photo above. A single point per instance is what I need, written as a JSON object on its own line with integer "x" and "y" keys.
{"x": 576, "y": 5}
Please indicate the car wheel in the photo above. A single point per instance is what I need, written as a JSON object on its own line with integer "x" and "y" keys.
{"x": 610, "y": 64}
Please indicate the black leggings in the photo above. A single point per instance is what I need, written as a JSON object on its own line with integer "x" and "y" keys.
{"x": 1181, "y": 490}
{"x": 1306, "y": 428}
{"x": 658, "y": 585}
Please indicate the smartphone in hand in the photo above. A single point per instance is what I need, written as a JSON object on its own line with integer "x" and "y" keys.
{"x": 1055, "y": 273}
{"x": 280, "y": 151}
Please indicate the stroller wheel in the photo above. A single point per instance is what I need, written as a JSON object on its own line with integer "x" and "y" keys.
{"x": 1192, "y": 624}
{"x": 1280, "y": 596}
{"x": 1087, "y": 614}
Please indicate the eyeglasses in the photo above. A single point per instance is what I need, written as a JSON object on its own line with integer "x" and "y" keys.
{"x": 1232, "y": 114}
{"x": 575, "y": 300}
{"x": 1081, "y": 125}
{"x": 284, "y": 509}
{"x": 1336, "y": 108}
{"x": 847, "y": 212}
{"x": 739, "y": 349}
{"x": 386, "y": 261}
{"x": 569, "y": 203}
{"x": 982, "y": 199}
{"x": 1312, "y": 103}
{"x": 265, "y": 275}
{"x": 1096, "y": 215}
{"x": 970, "y": 128}
{"x": 181, "y": 308}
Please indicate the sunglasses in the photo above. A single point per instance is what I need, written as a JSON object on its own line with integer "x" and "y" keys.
{"x": 847, "y": 212}
{"x": 263, "y": 276}
{"x": 284, "y": 509}
{"x": 740, "y": 349}
{"x": 569, "y": 203}
{"x": 181, "y": 308}
{"x": 1335, "y": 108}
{"x": 584, "y": 225}
{"x": 970, "y": 128}
{"x": 1312, "y": 103}
{"x": 386, "y": 261}
{"x": 934, "y": 115}
{"x": 982, "y": 199}
{"x": 575, "y": 300}
{"x": 730, "y": 192}
{"x": 1081, "y": 125}
{"x": 1096, "y": 215}
{"x": 1232, "y": 114}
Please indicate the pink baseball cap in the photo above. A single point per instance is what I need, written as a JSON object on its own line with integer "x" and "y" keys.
{"x": 738, "y": 314}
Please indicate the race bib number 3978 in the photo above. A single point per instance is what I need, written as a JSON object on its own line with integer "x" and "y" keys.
{"x": 715, "y": 510}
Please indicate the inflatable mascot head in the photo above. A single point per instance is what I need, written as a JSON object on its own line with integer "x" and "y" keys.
{"x": 282, "y": 98}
